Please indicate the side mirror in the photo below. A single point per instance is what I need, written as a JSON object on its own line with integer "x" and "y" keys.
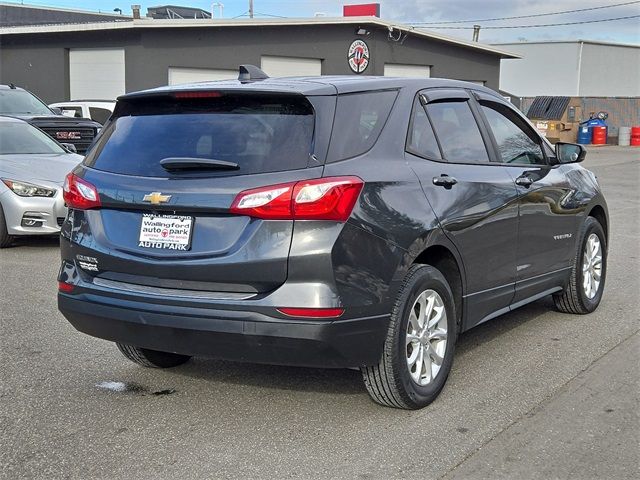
{"x": 69, "y": 147}
{"x": 56, "y": 110}
{"x": 570, "y": 152}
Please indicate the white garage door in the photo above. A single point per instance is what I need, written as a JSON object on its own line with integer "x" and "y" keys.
{"x": 401, "y": 70}
{"x": 96, "y": 73}
{"x": 179, "y": 75}
{"x": 290, "y": 66}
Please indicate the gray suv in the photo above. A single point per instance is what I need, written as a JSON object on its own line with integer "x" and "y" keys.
{"x": 329, "y": 222}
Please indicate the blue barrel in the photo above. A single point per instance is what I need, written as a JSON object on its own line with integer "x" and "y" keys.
{"x": 585, "y": 133}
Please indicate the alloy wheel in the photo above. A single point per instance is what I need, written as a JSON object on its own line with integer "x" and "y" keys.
{"x": 426, "y": 337}
{"x": 592, "y": 266}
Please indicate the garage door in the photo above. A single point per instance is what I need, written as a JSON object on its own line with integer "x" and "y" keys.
{"x": 96, "y": 73}
{"x": 193, "y": 75}
{"x": 290, "y": 66}
{"x": 402, "y": 70}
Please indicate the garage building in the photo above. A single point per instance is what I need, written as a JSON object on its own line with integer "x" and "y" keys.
{"x": 102, "y": 60}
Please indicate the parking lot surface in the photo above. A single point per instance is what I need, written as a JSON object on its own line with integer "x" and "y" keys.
{"x": 532, "y": 394}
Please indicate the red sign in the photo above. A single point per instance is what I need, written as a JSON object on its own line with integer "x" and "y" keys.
{"x": 68, "y": 135}
{"x": 362, "y": 10}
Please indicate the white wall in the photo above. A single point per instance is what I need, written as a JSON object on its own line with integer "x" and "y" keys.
{"x": 609, "y": 71}
{"x": 571, "y": 69}
{"x": 546, "y": 69}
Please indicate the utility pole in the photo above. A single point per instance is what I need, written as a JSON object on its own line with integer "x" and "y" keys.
{"x": 250, "y": 8}
{"x": 476, "y": 32}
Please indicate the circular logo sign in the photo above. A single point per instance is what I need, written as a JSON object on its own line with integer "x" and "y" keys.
{"x": 358, "y": 56}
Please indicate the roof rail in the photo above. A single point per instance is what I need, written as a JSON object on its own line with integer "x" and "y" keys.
{"x": 250, "y": 73}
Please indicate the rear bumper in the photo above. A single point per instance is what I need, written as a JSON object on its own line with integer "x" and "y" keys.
{"x": 245, "y": 336}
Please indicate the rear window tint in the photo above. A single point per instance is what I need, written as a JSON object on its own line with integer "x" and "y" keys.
{"x": 259, "y": 133}
{"x": 358, "y": 122}
{"x": 422, "y": 141}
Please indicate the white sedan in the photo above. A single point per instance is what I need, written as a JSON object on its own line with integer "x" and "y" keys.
{"x": 32, "y": 172}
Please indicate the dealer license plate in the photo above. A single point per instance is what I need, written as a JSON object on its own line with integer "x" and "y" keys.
{"x": 171, "y": 232}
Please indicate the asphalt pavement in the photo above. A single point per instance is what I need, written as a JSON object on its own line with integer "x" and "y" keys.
{"x": 533, "y": 394}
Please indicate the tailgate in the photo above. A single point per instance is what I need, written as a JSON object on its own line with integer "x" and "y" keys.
{"x": 169, "y": 224}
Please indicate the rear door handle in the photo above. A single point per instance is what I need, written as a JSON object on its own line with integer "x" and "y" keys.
{"x": 524, "y": 180}
{"x": 445, "y": 181}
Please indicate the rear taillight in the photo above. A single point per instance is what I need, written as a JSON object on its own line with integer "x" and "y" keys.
{"x": 272, "y": 202}
{"x": 326, "y": 198}
{"x": 79, "y": 193}
{"x": 330, "y": 198}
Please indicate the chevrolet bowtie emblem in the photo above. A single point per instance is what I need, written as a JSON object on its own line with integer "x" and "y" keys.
{"x": 156, "y": 198}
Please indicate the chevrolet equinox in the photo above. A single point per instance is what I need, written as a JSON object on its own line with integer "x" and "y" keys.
{"x": 356, "y": 222}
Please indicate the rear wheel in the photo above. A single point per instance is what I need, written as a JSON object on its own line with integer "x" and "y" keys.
{"x": 584, "y": 291}
{"x": 5, "y": 238}
{"x": 418, "y": 351}
{"x": 152, "y": 358}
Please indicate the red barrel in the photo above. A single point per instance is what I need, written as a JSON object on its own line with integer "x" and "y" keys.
{"x": 635, "y": 136}
{"x": 599, "y": 136}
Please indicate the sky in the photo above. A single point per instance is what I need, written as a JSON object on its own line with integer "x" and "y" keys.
{"x": 410, "y": 11}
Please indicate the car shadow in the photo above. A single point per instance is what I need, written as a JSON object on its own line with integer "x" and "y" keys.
{"x": 302, "y": 379}
{"x": 35, "y": 242}
{"x": 343, "y": 381}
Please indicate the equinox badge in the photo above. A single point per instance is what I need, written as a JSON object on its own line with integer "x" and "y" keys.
{"x": 156, "y": 198}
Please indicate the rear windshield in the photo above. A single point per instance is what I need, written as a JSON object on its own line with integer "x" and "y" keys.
{"x": 260, "y": 133}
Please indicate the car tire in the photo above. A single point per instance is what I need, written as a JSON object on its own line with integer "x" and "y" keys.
{"x": 152, "y": 358}
{"x": 577, "y": 297}
{"x": 5, "y": 238}
{"x": 392, "y": 382}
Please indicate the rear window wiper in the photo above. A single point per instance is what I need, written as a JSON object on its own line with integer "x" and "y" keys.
{"x": 194, "y": 163}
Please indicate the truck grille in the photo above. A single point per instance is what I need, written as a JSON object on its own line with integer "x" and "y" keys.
{"x": 82, "y": 144}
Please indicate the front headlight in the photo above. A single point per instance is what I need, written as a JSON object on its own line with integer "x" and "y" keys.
{"x": 25, "y": 189}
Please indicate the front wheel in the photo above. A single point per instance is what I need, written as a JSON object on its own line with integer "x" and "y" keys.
{"x": 418, "y": 351}
{"x": 584, "y": 291}
{"x": 152, "y": 358}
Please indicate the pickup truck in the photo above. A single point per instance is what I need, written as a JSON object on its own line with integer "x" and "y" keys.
{"x": 20, "y": 103}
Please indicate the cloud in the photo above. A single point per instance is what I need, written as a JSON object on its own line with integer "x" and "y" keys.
{"x": 410, "y": 11}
